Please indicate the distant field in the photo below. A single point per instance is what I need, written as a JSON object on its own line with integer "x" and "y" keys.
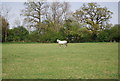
{"x": 48, "y": 61}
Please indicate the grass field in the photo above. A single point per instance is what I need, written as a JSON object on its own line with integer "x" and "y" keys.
{"x": 48, "y": 61}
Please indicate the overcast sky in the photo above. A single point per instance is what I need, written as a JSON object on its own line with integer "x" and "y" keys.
{"x": 16, "y": 7}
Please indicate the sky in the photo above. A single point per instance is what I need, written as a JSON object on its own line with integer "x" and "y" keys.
{"x": 16, "y": 7}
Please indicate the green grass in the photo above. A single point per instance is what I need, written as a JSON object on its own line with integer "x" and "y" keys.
{"x": 48, "y": 61}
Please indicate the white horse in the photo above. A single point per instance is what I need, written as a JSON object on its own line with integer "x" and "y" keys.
{"x": 62, "y": 42}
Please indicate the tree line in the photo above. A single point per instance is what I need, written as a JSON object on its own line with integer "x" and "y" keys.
{"x": 47, "y": 22}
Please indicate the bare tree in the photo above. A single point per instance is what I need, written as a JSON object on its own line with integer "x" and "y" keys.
{"x": 37, "y": 12}
{"x": 66, "y": 10}
{"x": 5, "y": 11}
{"x": 57, "y": 12}
{"x": 17, "y": 22}
{"x": 4, "y": 18}
{"x": 33, "y": 13}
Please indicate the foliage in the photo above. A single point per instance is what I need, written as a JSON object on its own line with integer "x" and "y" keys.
{"x": 71, "y": 30}
{"x": 86, "y": 35}
{"x": 18, "y": 34}
{"x": 115, "y": 33}
{"x": 94, "y": 16}
{"x": 51, "y": 36}
{"x": 87, "y": 24}
{"x": 33, "y": 37}
{"x": 104, "y": 36}
{"x": 112, "y": 34}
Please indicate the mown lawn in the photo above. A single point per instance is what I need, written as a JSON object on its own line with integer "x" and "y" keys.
{"x": 48, "y": 61}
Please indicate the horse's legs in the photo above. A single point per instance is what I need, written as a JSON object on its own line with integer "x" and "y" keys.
{"x": 66, "y": 45}
{"x": 60, "y": 45}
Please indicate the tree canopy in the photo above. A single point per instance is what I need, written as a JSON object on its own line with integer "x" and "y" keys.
{"x": 51, "y": 21}
{"x": 94, "y": 17}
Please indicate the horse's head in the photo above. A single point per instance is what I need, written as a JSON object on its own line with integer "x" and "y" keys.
{"x": 58, "y": 40}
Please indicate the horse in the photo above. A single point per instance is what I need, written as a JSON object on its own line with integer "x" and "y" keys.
{"x": 62, "y": 42}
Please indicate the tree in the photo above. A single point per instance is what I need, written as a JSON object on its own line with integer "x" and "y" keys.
{"x": 115, "y": 33}
{"x": 34, "y": 13}
{"x": 94, "y": 16}
{"x": 5, "y": 11}
{"x": 72, "y": 30}
{"x": 33, "y": 37}
{"x": 111, "y": 34}
{"x": 4, "y": 24}
{"x": 18, "y": 22}
{"x": 18, "y": 34}
{"x": 104, "y": 36}
{"x": 4, "y": 28}
{"x": 57, "y": 12}
{"x": 37, "y": 13}
{"x": 85, "y": 35}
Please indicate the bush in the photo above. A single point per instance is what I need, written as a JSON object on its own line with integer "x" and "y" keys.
{"x": 17, "y": 34}
{"x": 104, "y": 36}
